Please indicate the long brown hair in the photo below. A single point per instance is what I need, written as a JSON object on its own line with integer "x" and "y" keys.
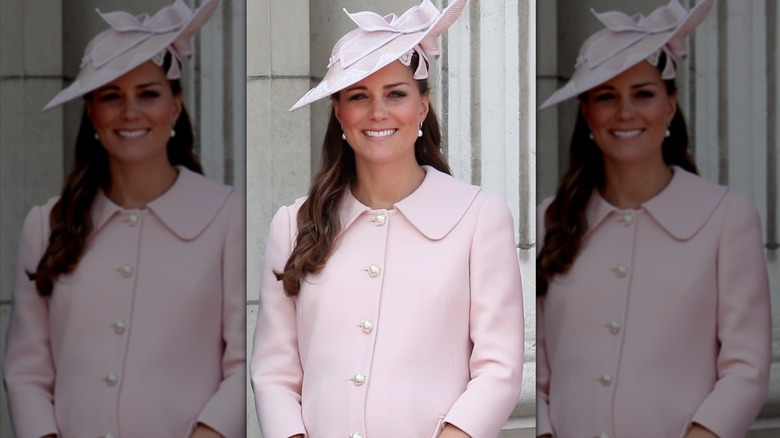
{"x": 70, "y": 219}
{"x": 318, "y": 218}
{"x": 564, "y": 220}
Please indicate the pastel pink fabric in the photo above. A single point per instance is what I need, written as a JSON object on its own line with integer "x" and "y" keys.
{"x": 178, "y": 358}
{"x": 683, "y": 331}
{"x": 378, "y": 41}
{"x": 134, "y": 40}
{"x": 628, "y": 40}
{"x": 447, "y": 340}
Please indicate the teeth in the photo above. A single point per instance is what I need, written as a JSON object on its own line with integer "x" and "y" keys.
{"x": 132, "y": 134}
{"x": 627, "y": 134}
{"x": 384, "y": 133}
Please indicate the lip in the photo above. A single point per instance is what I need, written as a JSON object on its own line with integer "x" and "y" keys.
{"x": 384, "y": 133}
{"x": 626, "y": 133}
{"x": 131, "y": 134}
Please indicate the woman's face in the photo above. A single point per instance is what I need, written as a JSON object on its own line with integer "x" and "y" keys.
{"x": 134, "y": 114}
{"x": 628, "y": 115}
{"x": 381, "y": 115}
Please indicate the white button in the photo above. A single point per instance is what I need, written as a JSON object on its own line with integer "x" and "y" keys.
{"x": 108, "y": 435}
{"x": 627, "y": 219}
{"x": 380, "y": 219}
{"x": 606, "y": 379}
{"x": 374, "y": 270}
{"x": 620, "y": 270}
{"x": 359, "y": 379}
{"x": 614, "y": 326}
{"x": 366, "y": 326}
{"x": 119, "y": 326}
{"x": 603, "y": 435}
{"x": 126, "y": 270}
{"x": 111, "y": 379}
{"x": 356, "y": 435}
{"x": 132, "y": 219}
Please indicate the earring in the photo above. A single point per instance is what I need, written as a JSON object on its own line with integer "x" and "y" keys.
{"x": 173, "y": 132}
{"x": 419, "y": 131}
{"x": 667, "y": 132}
{"x": 590, "y": 135}
{"x": 97, "y": 137}
{"x": 343, "y": 136}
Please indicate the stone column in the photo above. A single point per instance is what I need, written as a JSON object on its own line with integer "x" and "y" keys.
{"x": 30, "y": 141}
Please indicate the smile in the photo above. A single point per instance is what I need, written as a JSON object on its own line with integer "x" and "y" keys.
{"x": 132, "y": 134}
{"x": 627, "y": 134}
{"x": 377, "y": 134}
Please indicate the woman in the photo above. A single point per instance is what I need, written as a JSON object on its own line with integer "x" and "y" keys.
{"x": 128, "y": 312}
{"x": 653, "y": 298}
{"x": 391, "y": 299}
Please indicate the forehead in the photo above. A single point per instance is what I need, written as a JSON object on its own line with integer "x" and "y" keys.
{"x": 393, "y": 73}
{"x": 144, "y": 74}
{"x": 642, "y": 73}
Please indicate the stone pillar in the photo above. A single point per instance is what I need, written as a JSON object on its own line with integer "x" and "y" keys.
{"x": 30, "y": 141}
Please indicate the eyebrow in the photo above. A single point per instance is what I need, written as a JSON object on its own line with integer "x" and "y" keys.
{"x": 363, "y": 87}
{"x": 114, "y": 87}
{"x": 610, "y": 87}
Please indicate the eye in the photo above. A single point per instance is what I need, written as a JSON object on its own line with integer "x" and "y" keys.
{"x": 645, "y": 94}
{"x": 397, "y": 94}
{"x": 603, "y": 97}
{"x": 357, "y": 96}
{"x": 107, "y": 97}
{"x": 150, "y": 94}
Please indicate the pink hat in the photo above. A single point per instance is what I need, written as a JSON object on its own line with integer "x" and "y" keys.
{"x": 378, "y": 41}
{"x": 627, "y": 41}
{"x": 131, "y": 41}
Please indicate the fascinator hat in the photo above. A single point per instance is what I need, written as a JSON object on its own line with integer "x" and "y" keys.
{"x": 133, "y": 40}
{"x": 378, "y": 41}
{"x": 627, "y": 41}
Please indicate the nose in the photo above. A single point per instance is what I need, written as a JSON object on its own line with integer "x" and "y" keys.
{"x": 130, "y": 109}
{"x": 625, "y": 109}
{"x": 378, "y": 109}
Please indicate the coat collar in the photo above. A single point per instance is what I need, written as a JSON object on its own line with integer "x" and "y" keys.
{"x": 434, "y": 209}
{"x": 682, "y": 208}
{"x": 187, "y": 208}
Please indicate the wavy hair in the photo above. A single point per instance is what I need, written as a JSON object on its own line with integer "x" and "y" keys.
{"x": 318, "y": 218}
{"x": 564, "y": 220}
{"x": 70, "y": 218}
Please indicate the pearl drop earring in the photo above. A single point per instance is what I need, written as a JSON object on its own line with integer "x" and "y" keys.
{"x": 419, "y": 131}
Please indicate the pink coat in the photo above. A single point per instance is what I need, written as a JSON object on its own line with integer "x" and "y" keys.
{"x": 415, "y": 320}
{"x": 146, "y": 337}
{"x": 663, "y": 320}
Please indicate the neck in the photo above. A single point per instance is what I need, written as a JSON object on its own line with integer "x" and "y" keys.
{"x": 380, "y": 187}
{"x": 136, "y": 186}
{"x": 629, "y": 186}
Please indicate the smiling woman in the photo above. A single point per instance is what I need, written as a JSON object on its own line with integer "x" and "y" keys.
{"x": 138, "y": 243}
{"x": 386, "y": 236}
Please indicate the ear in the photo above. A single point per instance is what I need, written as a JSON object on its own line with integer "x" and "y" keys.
{"x": 89, "y": 107}
{"x": 336, "y": 109}
{"x": 177, "y": 105}
{"x": 425, "y": 103}
{"x": 584, "y": 110}
{"x": 672, "y": 109}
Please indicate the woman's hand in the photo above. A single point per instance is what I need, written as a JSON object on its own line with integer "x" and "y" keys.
{"x": 451, "y": 431}
{"x": 698, "y": 431}
{"x": 203, "y": 431}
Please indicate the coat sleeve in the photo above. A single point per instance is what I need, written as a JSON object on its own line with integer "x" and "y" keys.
{"x": 275, "y": 365}
{"x": 28, "y": 368}
{"x": 225, "y": 411}
{"x": 495, "y": 325}
{"x": 744, "y": 325}
{"x": 543, "y": 422}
